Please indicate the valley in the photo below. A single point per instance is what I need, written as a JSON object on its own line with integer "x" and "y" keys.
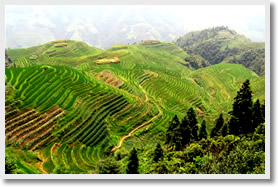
{"x": 69, "y": 106}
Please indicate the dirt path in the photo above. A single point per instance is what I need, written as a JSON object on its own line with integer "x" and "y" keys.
{"x": 145, "y": 93}
{"x": 145, "y": 124}
{"x": 134, "y": 130}
{"x": 41, "y": 165}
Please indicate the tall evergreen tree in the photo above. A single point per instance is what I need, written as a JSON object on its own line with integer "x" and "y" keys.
{"x": 174, "y": 123}
{"x": 177, "y": 138}
{"x": 192, "y": 119}
{"x": 263, "y": 111}
{"x": 219, "y": 124}
{"x": 174, "y": 136}
{"x": 225, "y": 130}
{"x": 133, "y": 163}
{"x": 203, "y": 131}
{"x": 158, "y": 153}
{"x": 241, "y": 115}
{"x": 185, "y": 131}
{"x": 258, "y": 117}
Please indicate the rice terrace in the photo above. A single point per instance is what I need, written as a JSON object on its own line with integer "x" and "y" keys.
{"x": 191, "y": 106}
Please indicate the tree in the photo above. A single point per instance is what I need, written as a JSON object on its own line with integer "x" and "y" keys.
{"x": 263, "y": 111}
{"x": 203, "y": 131}
{"x": 178, "y": 134}
{"x": 192, "y": 120}
{"x": 133, "y": 163}
{"x": 219, "y": 124}
{"x": 225, "y": 130}
{"x": 258, "y": 117}
{"x": 9, "y": 165}
{"x": 186, "y": 131}
{"x": 241, "y": 115}
{"x": 177, "y": 138}
{"x": 170, "y": 132}
{"x": 158, "y": 153}
{"x": 109, "y": 166}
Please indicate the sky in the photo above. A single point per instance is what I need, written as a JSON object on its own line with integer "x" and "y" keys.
{"x": 248, "y": 20}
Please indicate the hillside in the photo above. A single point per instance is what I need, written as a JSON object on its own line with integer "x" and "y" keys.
{"x": 220, "y": 44}
{"x": 68, "y": 105}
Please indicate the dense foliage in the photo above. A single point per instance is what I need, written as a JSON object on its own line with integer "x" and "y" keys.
{"x": 253, "y": 59}
{"x": 8, "y": 60}
{"x": 223, "y": 152}
{"x": 220, "y": 44}
{"x": 133, "y": 163}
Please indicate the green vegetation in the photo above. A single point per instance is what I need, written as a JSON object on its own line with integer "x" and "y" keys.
{"x": 149, "y": 112}
{"x": 8, "y": 60}
{"x": 220, "y": 44}
{"x": 132, "y": 166}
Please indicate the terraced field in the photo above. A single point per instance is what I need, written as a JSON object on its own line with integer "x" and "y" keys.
{"x": 68, "y": 113}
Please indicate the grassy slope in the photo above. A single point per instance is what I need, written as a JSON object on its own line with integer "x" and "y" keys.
{"x": 156, "y": 86}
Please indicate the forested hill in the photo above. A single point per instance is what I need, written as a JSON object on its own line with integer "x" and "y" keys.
{"x": 221, "y": 44}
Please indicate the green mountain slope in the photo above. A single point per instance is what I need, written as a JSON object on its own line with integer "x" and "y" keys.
{"x": 218, "y": 44}
{"x": 52, "y": 53}
{"x": 71, "y": 105}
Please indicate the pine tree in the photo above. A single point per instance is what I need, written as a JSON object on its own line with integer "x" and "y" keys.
{"x": 241, "y": 115}
{"x": 133, "y": 162}
{"x": 203, "y": 131}
{"x": 158, "y": 153}
{"x": 219, "y": 124}
{"x": 177, "y": 138}
{"x": 263, "y": 111}
{"x": 185, "y": 132}
{"x": 170, "y": 132}
{"x": 174, "y": 134}
{"x": 225, "y": 130}
{"x": 191, "y": 116}
{"x": 257, "y": 115}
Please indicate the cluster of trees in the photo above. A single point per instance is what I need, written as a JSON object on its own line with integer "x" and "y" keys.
{"x": 8, "y": 60}
{"x": 205, "y": 48}
{"x": 196, "y": 61}
{"x": 253, "y": 59}
{"x": 210, "y": 52}
{"x": 180, "y": 134}
{"x": 236, "y": 145}
{"x": 112, "y": 165}
{"x": 192, "y": 38}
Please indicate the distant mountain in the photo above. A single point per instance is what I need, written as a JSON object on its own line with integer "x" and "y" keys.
{"x": 91, "y": 25}
{"x": 221, "y": 44}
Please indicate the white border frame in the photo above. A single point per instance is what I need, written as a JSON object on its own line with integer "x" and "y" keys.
{"x": 266, "y": 3}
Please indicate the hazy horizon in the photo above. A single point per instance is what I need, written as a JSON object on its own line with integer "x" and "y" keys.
{"x": 103, "y": 26}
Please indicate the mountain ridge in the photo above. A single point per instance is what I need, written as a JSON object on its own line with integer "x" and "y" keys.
{"x": 216, "y": 45}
